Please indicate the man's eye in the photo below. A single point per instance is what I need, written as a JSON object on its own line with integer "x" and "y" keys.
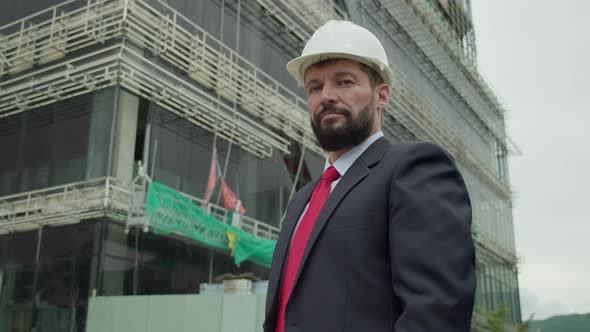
{"x": 314, "y": 89}
{"x": 345, "y": 82}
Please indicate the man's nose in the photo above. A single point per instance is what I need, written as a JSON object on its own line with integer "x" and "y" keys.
{"x": 329, "y": 95}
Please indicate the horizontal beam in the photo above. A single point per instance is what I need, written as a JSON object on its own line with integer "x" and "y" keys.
{"x": 75, "y": 202}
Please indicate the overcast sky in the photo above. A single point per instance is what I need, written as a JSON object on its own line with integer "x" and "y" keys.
{"x": 536, "y": 54}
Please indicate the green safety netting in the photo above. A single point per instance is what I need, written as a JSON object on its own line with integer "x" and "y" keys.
{"x": 169, "y": 211}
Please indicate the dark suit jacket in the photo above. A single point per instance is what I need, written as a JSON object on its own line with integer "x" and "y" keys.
{"x": 390, "y": 251}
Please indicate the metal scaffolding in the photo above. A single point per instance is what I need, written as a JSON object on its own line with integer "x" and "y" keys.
{"x": 452, "y": 20}
{"x": 420, "y": 121}
{"x": 205, "y": 60}
{"x": 211, "y": 65}
{"x": 214, "y": 65}
{"x": 314, "y": 13}
{"x": 106, "y": 196}
{"x": 64, "y": 204}
{"x": 176, "y": 43}
{"x": 302, "y": 17}
{"x": 457, "y": 20}
{"x": 118, "y": 63}
{"x": 137, "y": 211}
{"x": 443, "y": 134}
{"x": 425, "y": 124}
{"x": 288, "y": 24}
{"x": 434, "y": 38}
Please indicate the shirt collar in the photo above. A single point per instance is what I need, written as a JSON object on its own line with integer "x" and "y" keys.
{"x": 346, "y": 160}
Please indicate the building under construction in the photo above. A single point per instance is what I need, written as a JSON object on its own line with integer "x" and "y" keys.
{"x": 113, "y": 113}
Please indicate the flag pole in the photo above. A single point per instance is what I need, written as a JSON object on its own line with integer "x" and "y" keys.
{"x": 214, "y": 151}
{"x": 215, "y": 137}
{"x": 299, "y": 167}
{"x": 214, "y": 162}
{"x": 226, "y": 163}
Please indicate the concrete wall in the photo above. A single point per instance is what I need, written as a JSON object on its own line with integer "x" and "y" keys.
{"x": 124, "y": 148}
{"x": 207, "y": 313}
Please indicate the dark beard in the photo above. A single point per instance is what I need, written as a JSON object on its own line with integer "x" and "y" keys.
{"x": 351, "y": 134}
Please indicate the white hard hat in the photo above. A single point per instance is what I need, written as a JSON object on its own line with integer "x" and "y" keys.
{"x": 342, "y": 40}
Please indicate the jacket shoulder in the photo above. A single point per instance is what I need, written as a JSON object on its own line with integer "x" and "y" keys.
{"x": 418, "y": 146}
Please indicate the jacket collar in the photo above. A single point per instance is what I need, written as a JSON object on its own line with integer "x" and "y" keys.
{"x": 357, "y": 172}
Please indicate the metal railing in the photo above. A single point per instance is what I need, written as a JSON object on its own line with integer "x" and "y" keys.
{"x": 201, "y": 56}
{"x": 68, "y": 203}
{"x": 137, "y": 211}
{"x": 213, "y": 64}
{"x": 426, "y": 125}
{"x": 50, "y": 34}
{"x": 178, "y": 41}
{"x": 314, "y": 13}
{"x": 106, "y": 196}
{"x": 416, "y": 19}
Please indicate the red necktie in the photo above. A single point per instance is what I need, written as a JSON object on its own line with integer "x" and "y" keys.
{"x": 316, "y": 203}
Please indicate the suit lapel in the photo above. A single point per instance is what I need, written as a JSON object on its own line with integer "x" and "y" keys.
{"x": 293, "y": 214}
{"x": 357, "y": 172}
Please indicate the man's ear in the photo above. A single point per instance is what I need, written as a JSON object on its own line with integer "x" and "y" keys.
{"x": 383, "y": 93}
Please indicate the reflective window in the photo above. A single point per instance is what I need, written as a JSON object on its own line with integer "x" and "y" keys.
{"x": 496, "y": 287}
{"x": 183, "y": 159}
{"x": 55, "y": 144}
{"x": 51, "y": 292}
{"x": 153, "y": 264}
{"x": 12, "y": 10}
{"x": 65, "y": 265}
{"x": 62, "y": 293}
{"x": 258, "y": 43}
{"x": 16, "y": 295}
{"x": 156, "y": 264}
{"x": 17, "y": 271}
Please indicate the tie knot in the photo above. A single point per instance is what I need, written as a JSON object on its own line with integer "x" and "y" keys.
{"x": 330, "y": 175}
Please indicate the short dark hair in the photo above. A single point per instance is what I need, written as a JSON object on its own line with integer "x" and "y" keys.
{"x": 374, "y": 77}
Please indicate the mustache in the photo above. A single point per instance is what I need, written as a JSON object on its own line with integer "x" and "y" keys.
{"x": 331, "y": 108}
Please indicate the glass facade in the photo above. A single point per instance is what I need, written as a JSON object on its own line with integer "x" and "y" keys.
{"x": 250, "y": 33}
{"x": 50, "y": 291}
{"x": 17, "y": 263}
{"x": 46, "y": 277}
{"x": 60, "y": 143}
{"x": 182, "y": 161}
{"x": 144, "y": 264}
{"x": 13, "y": 10}
{"x": 497, "y": 286}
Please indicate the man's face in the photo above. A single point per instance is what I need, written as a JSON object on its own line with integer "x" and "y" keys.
{"x": 342, "y": 104}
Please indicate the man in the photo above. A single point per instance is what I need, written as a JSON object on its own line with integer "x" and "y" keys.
{"x": 382, "y": 242}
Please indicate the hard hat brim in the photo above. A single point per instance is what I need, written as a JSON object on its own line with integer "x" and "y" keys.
{"x": 298, "y": 66}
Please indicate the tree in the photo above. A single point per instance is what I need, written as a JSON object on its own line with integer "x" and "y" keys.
{"x": 526, "y": 325}
{"x": 495, "y": 321}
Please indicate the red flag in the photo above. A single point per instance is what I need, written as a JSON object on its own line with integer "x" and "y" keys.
{"x": 230, "y": 200}
{"x": 214, "y": 174}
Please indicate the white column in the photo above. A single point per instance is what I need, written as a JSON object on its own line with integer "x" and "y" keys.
{"x": 125, "y": 132}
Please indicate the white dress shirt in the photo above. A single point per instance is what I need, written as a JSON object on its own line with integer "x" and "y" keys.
{"x": 342, "y": 165}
